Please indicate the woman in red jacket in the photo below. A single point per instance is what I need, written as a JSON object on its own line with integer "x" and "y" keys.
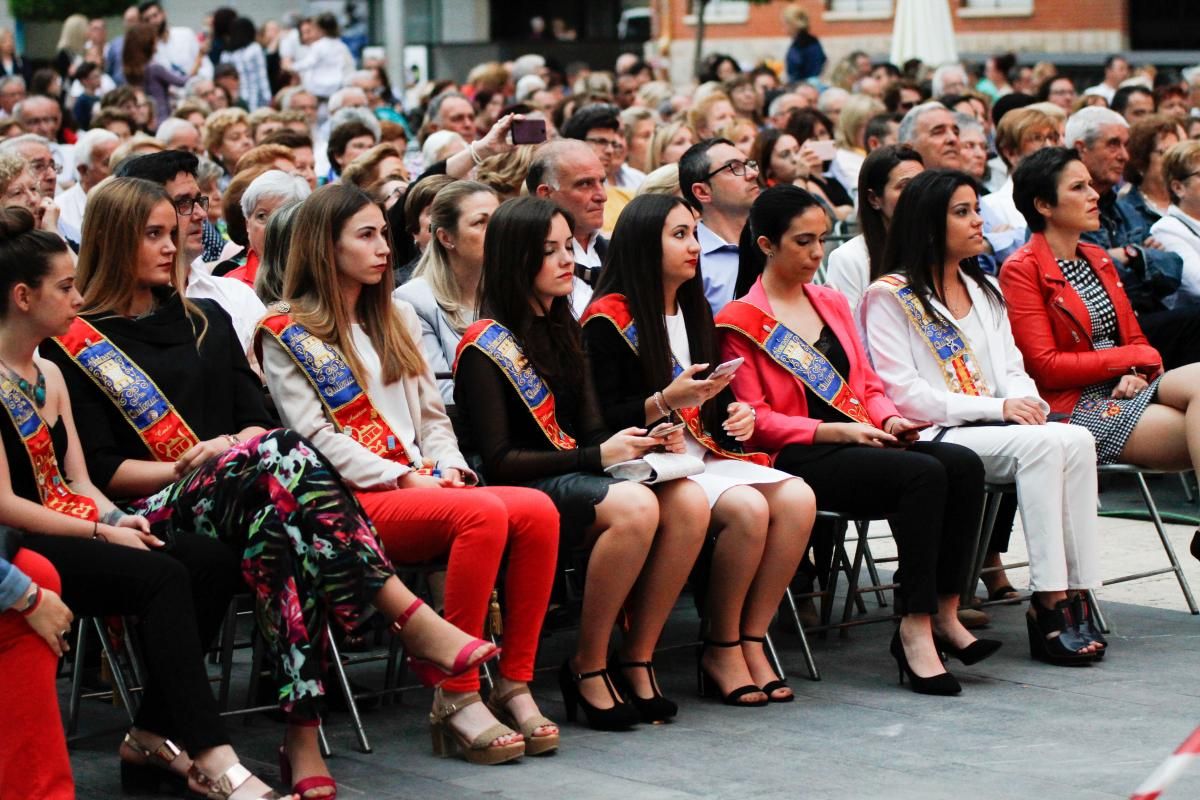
{"x": 1078, "y": 332}
{"x": 822, "y": 413}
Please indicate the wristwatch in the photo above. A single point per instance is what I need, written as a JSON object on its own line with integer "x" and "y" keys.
{"x": 31, "y": 601}
{"x": 1131, "y": 252}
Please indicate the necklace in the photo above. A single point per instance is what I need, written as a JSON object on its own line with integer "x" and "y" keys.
{"x": 36, "y": 393}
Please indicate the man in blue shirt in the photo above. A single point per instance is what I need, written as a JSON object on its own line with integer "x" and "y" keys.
{"x": 718, "y": 181}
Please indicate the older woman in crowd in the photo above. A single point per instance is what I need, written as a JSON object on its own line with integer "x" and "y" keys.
{"x": 1179, "y": 229}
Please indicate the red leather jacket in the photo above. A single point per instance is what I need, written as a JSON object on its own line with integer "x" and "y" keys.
{"x": 1054, "y": 330}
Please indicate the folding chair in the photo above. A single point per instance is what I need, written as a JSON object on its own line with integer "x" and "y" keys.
{"x": 120, "y": 685}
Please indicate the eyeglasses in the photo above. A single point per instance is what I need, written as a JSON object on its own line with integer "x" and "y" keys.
{"x": 737, "y": 168}
{"x": 46, "y": 166}
{"x": 184, "y": 206}
{"x": 606, "y": 144}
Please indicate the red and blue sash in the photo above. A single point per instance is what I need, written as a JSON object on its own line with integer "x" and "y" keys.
{"x": 140, "y": 401}
{"x": 615, "y": 309}
{"x": 35, "y": 435}
{"x": 960, "y": 367}
{"x": 345, "y": 401}
{"x": 497, "y": 343}
{"x": 801, "y": 360}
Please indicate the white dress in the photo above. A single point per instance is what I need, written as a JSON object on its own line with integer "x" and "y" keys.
{"x": 719, "y": 473}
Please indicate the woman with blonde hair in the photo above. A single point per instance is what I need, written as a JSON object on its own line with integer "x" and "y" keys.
{"x": 848, "y": 134}
{"x": 72, "y": 43}
{"x": 374, "y": 412}
{"x": 669, "y": 144}
{"x": 445, "y": 283}
{"x": 710, "y": 115}
{"x": 179, "y": 433}
{"x": 370, "y": 167}
{"x": 505, "y": 173}
{"x": 227, "y": 138}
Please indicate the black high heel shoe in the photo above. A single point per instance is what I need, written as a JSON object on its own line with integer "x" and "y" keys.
{"x": 1054, "y": 637}
{"x": 943, "y": 685}
{"x": 770, "y": 687}
{"x": 654, "y": 709}
{"x": 618, "y": 718}
{"x": 1196, "y": 545}
{"x": 973, "y": 653}
{"x": 1085, "y": 618}
{"x": 708, "y": 686}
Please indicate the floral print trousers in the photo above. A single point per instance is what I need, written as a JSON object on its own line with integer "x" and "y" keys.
{"x": 308, "y": 551}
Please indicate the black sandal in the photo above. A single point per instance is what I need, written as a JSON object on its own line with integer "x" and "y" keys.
{"x": 1054, "y": 637}
{"x": 709, "y": 687}
{"x": 770, "y": 687}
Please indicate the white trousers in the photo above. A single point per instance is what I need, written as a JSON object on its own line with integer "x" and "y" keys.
{"x": 1054, "y": 467}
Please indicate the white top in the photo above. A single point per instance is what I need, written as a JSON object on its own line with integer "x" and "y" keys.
{"x": 999, "y": 211}
{"x": 845, "y": 168}
{"x": 581, "y": 293}
{"x": 1102, "y": 89}
{"x": 1180, "y": 234}
{"x": 70, "y": 212}
{"x": 849, "y": 270}
{"x": 179, "y": 52}
{"x": 629, "y": 177}
{"x": 914, "y": 377}
{"x": 238, "y": 300}
{"x": 412, "y": 408}
{"x": 323, "y": 69}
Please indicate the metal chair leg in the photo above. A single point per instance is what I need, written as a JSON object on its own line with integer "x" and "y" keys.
{"x": 1100, "y": 620}
{"x": 114, "y": 666}
{"x": 340, "y": 670}
{"x": 1152, "y": 507}
{"x": 776, "y": 664}
{"x": 873, "y": 573}
{"x": 323, "y": 743}
{"x": 852, "y": 592}
{"x": 76, "y": 678}
{"x": 1186, "y": 479}
{"x": 991, "y": 509}
{"x": 228, "y": 632}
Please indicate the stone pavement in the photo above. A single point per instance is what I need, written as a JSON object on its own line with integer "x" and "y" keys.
{"x": 1019, "y": 730}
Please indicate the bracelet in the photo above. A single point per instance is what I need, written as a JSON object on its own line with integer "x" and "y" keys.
{"x": 95, "y": 529}
{"x": 475, "y": 157}
{"x": 660, "y": 401}
{"x": 232, "y": 439}
{"x": 34, "y": 601}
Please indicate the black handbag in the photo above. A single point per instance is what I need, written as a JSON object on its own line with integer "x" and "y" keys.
{"x": 10, "y": 542}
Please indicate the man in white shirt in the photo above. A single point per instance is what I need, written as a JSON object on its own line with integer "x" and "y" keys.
{"x": 569, "y": 173}
{"x": 718, "y": 181}
{"x": 177, "y": 47}
{"x": 1116, "y": 70}
{"x": 91, "y": 161}
{"x": 175, "y": 171}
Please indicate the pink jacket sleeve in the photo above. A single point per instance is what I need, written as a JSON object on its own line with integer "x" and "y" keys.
{"x": 753, "y": 384}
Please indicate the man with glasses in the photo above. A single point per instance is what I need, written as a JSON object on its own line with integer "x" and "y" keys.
{"x": 36, "y": 152}
{"x": 569, "y": 173}
{"x": 600, "y": 127}
{"x": 718, "y": 181}
{"x": 43, "y": 116}
{"x": 175, "y": 171}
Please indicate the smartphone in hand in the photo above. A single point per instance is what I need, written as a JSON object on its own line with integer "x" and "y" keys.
{"x": 528, "y": 131}
{"x": 723, "y": 370}
{"x": 663, "y": 431}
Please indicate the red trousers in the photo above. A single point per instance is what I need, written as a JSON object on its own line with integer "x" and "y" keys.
{"x": 33, "y": 750}
{"x": 472, "y": 527}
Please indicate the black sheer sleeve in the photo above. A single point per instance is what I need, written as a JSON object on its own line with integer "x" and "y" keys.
{"x": 617, "y": 374}
{"x": 507, "y": 436}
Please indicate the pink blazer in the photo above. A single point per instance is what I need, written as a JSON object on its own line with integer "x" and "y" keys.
{"x": 777, "y": 397}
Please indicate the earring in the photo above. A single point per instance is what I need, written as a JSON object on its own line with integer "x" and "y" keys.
{"x": 771, "y": 254}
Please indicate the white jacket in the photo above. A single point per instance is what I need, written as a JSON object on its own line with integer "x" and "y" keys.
{"x": 1180, "y": 234}
{"x": 913, "y": 376}
{"x": 849, "y": 270}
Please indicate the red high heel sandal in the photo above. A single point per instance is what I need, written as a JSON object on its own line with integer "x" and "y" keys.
{"x": 430, "y": 674}
{"x": 302, "y": 787}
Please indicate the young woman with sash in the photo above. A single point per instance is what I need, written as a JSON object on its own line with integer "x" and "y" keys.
{"x": 178, "y": 432}
{"x": 645, "y": 360}
{"x": 938, "y": 335}
{"x": 344, "y": 365}
{"x": 1080, "y": 336}
{"x": 523, "y": 385}
{"x": 822, "y": 413}
{"x": 104, "y": 557}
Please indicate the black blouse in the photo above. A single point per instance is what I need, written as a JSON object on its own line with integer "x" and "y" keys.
{"x": 20, "y": 471}
{"x": 621, "y": 387}
{"x": 211, "y": 385}
{"x": 831, "y": 347}
{"x": 513, "y": 447}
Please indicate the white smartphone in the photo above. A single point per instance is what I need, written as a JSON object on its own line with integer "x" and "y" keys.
{"x": 728, "y": 368}
{"x": 663, "y": 432}
{"x": 825, "y": 149}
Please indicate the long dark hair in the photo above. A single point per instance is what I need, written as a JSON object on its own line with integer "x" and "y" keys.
{"x": 635, "y": 270}
{"x": 916, "y": 242}
{"x": 513, "y": 252}
{"x": 873, "y": 178}
{"x": 25, "y": 252}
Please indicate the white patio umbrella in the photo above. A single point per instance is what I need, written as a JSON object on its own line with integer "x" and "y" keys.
{"x": 923, "y": 29}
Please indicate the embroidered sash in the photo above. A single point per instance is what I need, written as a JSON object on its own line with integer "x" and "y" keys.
{"x": 345, "y": 401}
{"x": 960, "y": 367}
{"x": 140, "y": 401}
{"x": 802, "y": 361}
{"x": 35, "y": 435}
{"x": 615, "y": 309}
{"x": 498, "y": 344}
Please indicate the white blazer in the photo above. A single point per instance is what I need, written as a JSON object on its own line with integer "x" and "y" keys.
{"x": 913, "y": 376}
{"x": 1180, "y": 234}
{"x": 849, "y": 270}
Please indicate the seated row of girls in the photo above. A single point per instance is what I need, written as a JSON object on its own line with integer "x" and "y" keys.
{"x": 180, "y": 438}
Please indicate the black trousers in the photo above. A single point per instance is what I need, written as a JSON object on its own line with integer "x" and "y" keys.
{"x": 931, "y": 494}
{"x": 1175, "y": 334}
{"x": 179, "y": 600}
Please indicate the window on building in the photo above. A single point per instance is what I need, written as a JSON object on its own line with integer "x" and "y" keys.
{"x": 998, "y": 5}
{"x": 859, "y": 6}
{"x": 720, "y": 11}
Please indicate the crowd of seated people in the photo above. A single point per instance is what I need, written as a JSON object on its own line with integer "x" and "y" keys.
{"x": 308, "y": 336}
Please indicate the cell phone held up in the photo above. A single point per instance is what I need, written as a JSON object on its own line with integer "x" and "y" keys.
{"x": 528, "y": 131}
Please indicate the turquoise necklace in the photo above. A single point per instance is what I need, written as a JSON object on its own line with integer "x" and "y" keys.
{"x": 35, "y": 392}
